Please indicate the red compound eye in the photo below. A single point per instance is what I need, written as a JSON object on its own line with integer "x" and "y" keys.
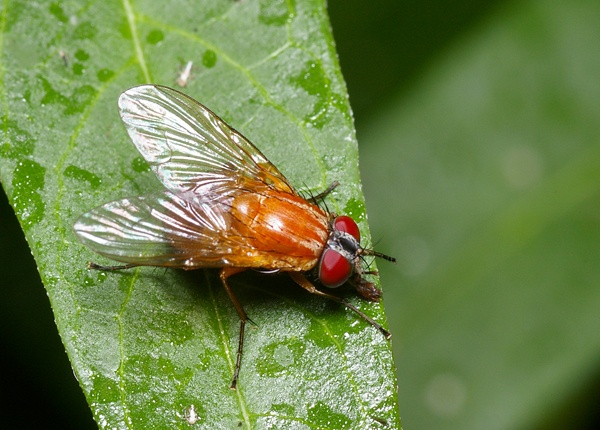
{"x": 334, "y": 269}
{"x": 346, "y": 224}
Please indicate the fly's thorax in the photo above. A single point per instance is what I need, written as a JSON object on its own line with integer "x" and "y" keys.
{"x": 282, "y": 225}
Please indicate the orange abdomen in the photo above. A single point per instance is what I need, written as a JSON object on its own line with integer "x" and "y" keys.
{"x": 286, "y": 231}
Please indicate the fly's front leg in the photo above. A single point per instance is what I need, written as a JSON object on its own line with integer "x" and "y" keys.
{"x": 301, "y": 280}
{"x": 226, "y": 272}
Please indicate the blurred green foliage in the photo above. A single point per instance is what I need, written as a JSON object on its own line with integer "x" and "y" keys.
{"x": 481, "y": 170}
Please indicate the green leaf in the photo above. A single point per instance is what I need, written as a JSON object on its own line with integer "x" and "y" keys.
{"x": 494, "y": 157}
{"x": 150, "y": 347}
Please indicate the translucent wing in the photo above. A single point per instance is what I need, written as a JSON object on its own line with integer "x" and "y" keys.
{"x": 164, "y": 230}
{"x": 190, "y": 148}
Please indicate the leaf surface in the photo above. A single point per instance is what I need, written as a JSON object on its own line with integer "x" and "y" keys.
{"x": 154, "y": 348}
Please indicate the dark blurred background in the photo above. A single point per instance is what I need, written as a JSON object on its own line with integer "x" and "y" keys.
{"x": 384, "y": 46}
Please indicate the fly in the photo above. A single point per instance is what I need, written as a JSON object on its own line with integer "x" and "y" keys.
{"x": 224, "y": 206}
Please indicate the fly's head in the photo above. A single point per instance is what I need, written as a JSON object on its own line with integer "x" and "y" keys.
{"x": 341, "y": 259}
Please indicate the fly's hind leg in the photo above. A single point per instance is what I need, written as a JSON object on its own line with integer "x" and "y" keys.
{"x": 226, "y": 272}
{"x": 324, "y": 193}
{"x": 301, "y": 280}
{"x": 105, "y": 268}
